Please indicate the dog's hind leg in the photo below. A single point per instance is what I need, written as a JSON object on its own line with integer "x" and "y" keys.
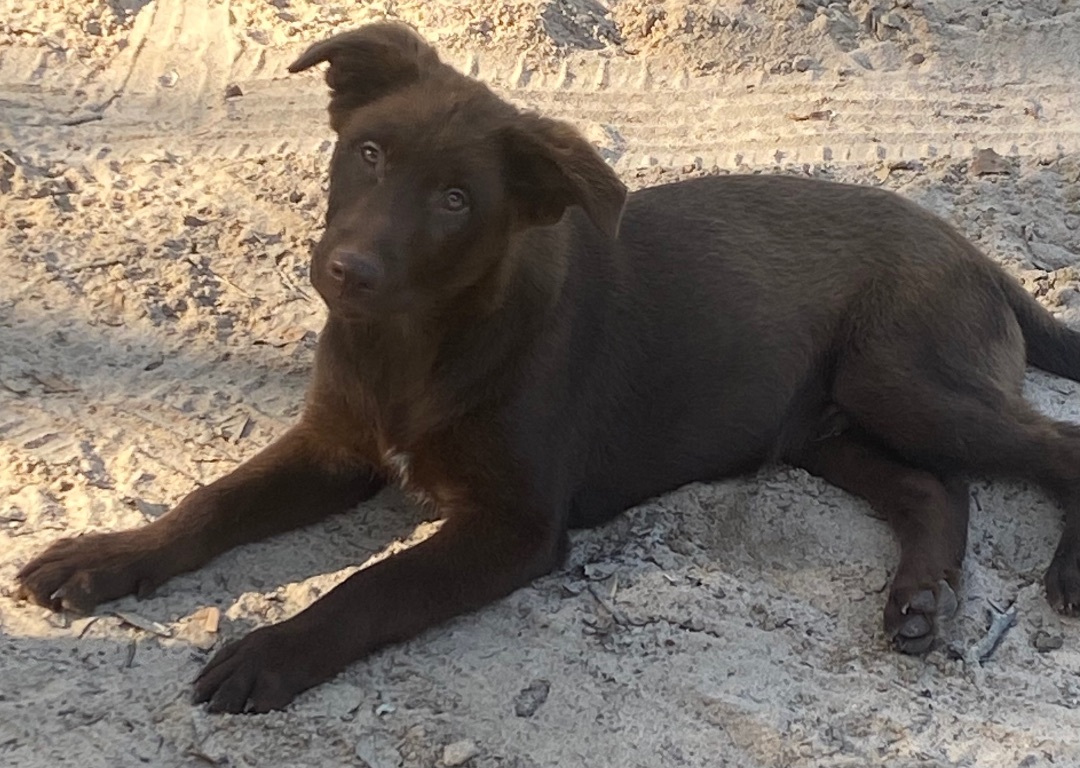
{"x": 932, "y": 421}
{"x": 928, "y": 515}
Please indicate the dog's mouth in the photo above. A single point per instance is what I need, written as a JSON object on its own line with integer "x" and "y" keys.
{"x": 351, "y": 305}
{"x": 365, "y": 305}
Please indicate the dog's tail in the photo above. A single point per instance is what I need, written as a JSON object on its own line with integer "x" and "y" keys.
{"x": 1051, "y": 345}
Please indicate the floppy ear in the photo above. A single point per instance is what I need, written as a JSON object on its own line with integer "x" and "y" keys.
{"x": 368, "y": 63}
{"x": 550, "y": 166}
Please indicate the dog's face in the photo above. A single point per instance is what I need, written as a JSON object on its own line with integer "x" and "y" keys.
{"x": 432, "y": 176}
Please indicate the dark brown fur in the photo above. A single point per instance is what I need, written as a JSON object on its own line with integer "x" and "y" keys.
{"x": 528, "y": 364}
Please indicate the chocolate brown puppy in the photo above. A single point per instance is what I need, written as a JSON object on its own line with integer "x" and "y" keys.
{"x": 516, "y": 340}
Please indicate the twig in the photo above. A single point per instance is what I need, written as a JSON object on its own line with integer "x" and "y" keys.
{"x": 130, "y": 657}
{"x": 81, "y": 120}
{"x": 200, "y": 755}
{"x": 618, "y": 616}
{"x": 1000, "y": 623}
{"x": 96, "y": 265}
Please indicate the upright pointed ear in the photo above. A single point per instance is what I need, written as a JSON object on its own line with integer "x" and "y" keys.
{"x": 550, "y": 166}
{"x": 368, "y": 63}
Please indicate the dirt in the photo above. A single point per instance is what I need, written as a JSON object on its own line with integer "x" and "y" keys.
{"x": 156, "y": 328}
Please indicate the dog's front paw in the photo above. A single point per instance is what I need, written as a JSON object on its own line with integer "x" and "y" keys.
{"x": 260, "y": 672}
{"x": 912, "y": 614}
{"x": 77, "y": 574}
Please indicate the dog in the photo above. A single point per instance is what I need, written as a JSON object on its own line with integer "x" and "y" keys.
{"x": 519, "y": 342}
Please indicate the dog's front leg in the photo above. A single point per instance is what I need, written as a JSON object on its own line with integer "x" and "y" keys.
{"x": 472, "y": 560}
{"x": 295, "y": 481}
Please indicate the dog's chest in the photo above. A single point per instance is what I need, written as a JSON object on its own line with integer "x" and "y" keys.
{"x": 398, "y": 466}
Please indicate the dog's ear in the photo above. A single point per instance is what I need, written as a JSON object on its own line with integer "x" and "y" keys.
{"x": 550, "y": 166}
{"x": 368, "y": 63}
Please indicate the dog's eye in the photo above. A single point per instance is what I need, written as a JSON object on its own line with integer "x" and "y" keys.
{"x": 455, "y": 200}
{"x": 370, "y": 152}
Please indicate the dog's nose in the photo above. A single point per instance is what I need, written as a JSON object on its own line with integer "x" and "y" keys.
{"x": 353, "y": 269}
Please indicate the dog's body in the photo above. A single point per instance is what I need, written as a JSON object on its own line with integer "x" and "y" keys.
{"x": 495, "y": 348}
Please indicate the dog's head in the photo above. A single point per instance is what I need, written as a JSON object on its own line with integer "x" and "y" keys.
{"x": 433, "y": 174}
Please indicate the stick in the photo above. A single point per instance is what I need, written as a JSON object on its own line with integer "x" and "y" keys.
{"x": 1000, "y": 623}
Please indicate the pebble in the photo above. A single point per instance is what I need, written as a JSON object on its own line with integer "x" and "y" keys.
{"x": 987, "y": 161}
{"x": 530, "y": 698}
{"x": 460, "y": 752}
{"x": 375, "y": 755}
{"x": 1044, "y": 642}
{"x": 1049, "y": 256}
{"x": 893, "y": 20}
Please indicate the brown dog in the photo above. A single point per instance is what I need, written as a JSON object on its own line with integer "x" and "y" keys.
{"x": 500, "y": 345}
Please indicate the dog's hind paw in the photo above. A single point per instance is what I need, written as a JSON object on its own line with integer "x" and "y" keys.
{"x": 912, "y": 617}
{"x": 1062, "y": 580}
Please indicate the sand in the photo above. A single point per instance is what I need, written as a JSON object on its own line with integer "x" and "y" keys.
{"x": 156, "y": 328}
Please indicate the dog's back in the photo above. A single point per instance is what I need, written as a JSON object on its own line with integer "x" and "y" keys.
{"x": 712, "y": 328}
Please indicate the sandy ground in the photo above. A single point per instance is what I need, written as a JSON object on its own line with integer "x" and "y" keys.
{"x": 156, "y": 328}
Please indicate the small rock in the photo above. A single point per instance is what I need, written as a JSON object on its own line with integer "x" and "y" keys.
{"x": 906, "y": 165}
{"x": 232, "y": 91}
{"x": 54, "y": 384}
{"x": 1044, "y": 642}
{"x": 150, "y": 510}
{"x": 1051, "y": 257}
{"x": 375, "y": 755}
{"x": 860, "y": 58}
{"x": 803, "y": 63}
{"x": 169, "y": 79}
{"x": 209, "y": 617}
{"x": 460, "y": 752}
{"x": 10, "y": 173}
{"x": 599, "y": 571}
{"x": 987, "y": 161}
{"x": 572, "y": 588}
{"x": 13, "y": 514}
{"x": 530, "y": 698}
{"x": 201, "y": 628}
{"x": 893, "y": 20}
{"x": 916, "y": 58}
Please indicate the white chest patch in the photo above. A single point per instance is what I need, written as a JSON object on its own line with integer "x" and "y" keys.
{"x": 398, "y": 464}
